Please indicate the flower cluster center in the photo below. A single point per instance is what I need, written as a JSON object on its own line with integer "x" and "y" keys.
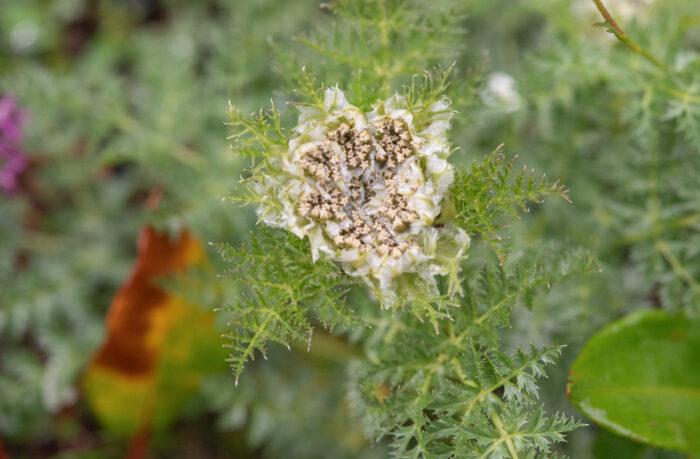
{"x": 358, "y": 184}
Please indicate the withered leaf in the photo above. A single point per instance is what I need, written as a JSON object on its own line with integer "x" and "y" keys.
{"x": 157, "y": 347}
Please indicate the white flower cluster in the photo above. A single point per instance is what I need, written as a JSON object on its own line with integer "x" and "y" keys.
{"x": 366, "y": 189}
{"x": 502, "y": 92}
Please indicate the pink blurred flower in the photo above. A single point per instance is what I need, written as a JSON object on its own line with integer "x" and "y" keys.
{"x": 13, "y": 160}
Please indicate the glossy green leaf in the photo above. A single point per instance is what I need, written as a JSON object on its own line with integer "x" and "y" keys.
{"x": 640, "y": 378}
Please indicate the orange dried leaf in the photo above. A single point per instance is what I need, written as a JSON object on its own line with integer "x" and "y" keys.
{"x": 157, "y": 345}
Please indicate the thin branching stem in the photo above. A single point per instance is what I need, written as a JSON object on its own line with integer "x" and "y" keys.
{"x": 633, "y": 46}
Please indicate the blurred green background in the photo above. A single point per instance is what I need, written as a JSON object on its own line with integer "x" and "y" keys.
{"x": 126, "y": 108}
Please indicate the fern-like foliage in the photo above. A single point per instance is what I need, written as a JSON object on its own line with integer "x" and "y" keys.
{"x": 492, "y": 189}
{"x": 285, "y": 287}
{"x": 375, "y": 47}
{"x": 454, "y": 394}
{"x": 641, "y": 174}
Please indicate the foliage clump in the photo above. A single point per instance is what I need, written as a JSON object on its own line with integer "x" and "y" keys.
{"x": 433, "y": 380}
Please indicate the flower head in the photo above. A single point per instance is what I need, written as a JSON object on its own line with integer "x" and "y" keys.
{"x": 501, "y": 92}
{"x": 12, "y": 159}
{"x": 366, "y": 189}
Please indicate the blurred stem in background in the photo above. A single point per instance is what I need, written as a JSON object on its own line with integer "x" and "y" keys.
{"x": 613, "y": 27}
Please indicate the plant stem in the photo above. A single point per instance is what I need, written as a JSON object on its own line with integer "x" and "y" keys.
{"x": 663, "y": 247}
{"x": 504, "y": 435}
{"x": 386, "y": 49}
{"x": 625, "y": 39}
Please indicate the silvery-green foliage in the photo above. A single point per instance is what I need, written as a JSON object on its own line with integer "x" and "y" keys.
{"x": 608, "y": 123}
{"x": 123, "y": 126}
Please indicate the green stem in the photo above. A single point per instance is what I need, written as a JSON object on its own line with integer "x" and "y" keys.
{"x": 680, "y": 95}
{"x": 678, "y": 268}
{"x": 625, "y": 39}
{"x": 386, "y": 44}
{"x": 657, "y": 228}
{"x": 498, "y": 422}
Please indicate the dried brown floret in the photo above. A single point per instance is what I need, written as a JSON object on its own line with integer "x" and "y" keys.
{"x": 324, "y": 165}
